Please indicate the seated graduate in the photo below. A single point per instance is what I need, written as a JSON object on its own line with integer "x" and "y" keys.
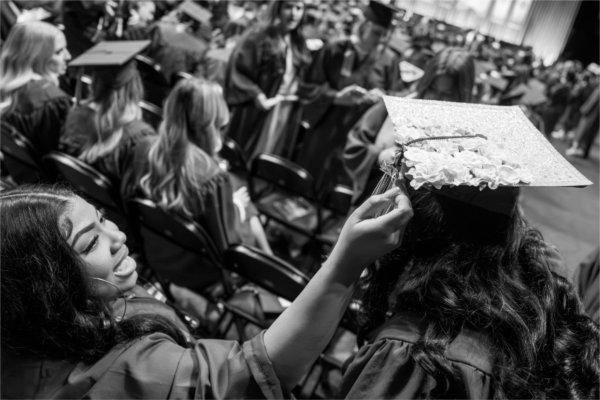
{"x": 141, "y": 16}
{"x": 104, "y": 129}
{"x": 470, "y": 305}
{"x": 62, "y": 263}
{"x": 449, "y": 76}
{"x": 179, "y": 171}
{"x": 33, "y": 58}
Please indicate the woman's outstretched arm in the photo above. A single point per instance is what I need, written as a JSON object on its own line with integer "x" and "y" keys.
{"x": 300, "y": 334}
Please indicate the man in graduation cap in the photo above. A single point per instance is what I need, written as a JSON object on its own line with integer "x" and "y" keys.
{"x": 356, "y": 72}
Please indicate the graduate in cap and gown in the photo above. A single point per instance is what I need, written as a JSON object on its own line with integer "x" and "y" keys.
{"x": 447, "y": 77}
{"x": 472, "y": 303}
{"x": 104, "y": 129}
{"x": 356, "y": 72}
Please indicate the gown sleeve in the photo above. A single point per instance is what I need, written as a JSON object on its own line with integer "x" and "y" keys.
{"x": 240, "y": 81}
{"x": 156, "y": 367}
{"x": 361, "y": 151}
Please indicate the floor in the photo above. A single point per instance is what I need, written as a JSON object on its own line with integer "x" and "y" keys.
{"x": 568, "y": 217}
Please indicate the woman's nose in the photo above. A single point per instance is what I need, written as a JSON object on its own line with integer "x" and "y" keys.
{"x": 117, "y": 240}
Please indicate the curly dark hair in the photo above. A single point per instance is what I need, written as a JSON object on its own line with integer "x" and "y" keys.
{"x": 462, "y": 266}
{"x": 48, "y": 310}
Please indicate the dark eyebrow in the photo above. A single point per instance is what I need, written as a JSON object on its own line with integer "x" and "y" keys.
{"x": 87, "y": 228}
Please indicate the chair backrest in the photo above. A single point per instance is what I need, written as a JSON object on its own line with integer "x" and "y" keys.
{"x": 176, "y": 249}
{"x": 180, "y": 76}
{"x": 156, "y": 87}
{"x": 283, "y": 174}
{"x": 268, "y": 272}
{"x": 151, "y": 114}
{"x": 19, "y": 156}
{"x": 234, "y": 155}
{"x": 339, "y": 199}
{"x": 93, "y": 184}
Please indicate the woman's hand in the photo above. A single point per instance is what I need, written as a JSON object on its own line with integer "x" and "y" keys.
{"x": 366, "y": 236}
{"x": 265, "y": 104}
{"x": 241, "y": 199}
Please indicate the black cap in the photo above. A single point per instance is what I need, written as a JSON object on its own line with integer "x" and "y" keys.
{"x": 380, "y": 13}
{"x": 112, "y": 61}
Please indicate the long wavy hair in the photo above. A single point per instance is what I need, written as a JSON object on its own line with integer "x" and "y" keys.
{"x": 272, "y": 27}
{"x": 194, "y": 113}
{"x": 27, "y": 53}
{"x": 115, "y": 106}
{"x": 464, "y": 266}
{"x": 48, "y": 307}
{"x": 455, "y": 63}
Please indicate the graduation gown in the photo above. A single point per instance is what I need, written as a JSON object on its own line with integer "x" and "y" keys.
{"x": 386, "y": 369}
{"x": 38, "y": 111}
{"x": 372, "y": 134}
{"x": 152, "y": 367}
{"x": 257, "y": 65}
{"x": 330, "y": 123}
{"x": 80, "y": 128}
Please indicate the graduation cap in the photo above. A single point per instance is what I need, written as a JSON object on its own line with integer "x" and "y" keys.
{"x": 380, "y": 13}
{"x": 110, "y": 54}
{"x": 111, "y": 61}
{"x": 195, "y": 12}
{"x": 472, "y": 150}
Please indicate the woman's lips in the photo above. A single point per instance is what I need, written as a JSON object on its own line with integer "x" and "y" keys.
{"x": 125, "y": 268}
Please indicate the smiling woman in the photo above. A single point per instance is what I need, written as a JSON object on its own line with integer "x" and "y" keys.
{"x": 61, "y": 265}
{"x": 101, "y": 245}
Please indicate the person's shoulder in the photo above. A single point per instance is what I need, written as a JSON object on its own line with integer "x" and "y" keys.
{"x": 38, "y": 92}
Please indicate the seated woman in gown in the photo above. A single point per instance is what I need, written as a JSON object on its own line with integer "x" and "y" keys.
{"x": 62, "y": 264}
{"x": 33, "y": 58}
{"x": 179, "y": 171}
{"x": 104, "y": 130}
{"x": 470, "y": 306}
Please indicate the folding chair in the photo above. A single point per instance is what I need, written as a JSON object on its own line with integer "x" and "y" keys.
{"x": 336, "y": 205}
{"x": 177, "y": 250}
{"x": 20, "y": 159}
{"x": 151, "y": 114}
{"x": 285, "y": 192}
{"x": 156, "y": 86}
{"x": 181, "y": 75}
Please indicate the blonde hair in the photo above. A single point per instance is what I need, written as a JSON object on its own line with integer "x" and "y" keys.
{"x": 27, "y": 52}
{"x": 193, "y": 114}
{"x": 115, "y": 107}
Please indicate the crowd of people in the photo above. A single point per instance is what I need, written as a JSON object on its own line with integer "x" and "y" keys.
{"x": 456, "y": 301}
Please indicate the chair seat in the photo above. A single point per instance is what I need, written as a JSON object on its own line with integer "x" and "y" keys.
{"x": 293, "y": 212}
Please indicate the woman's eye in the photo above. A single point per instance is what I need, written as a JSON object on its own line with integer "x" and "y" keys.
{"x": 91, "y": 245}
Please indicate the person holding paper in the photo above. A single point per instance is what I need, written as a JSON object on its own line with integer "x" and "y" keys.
{"x": 264, "y": 82}
{"x": 356, "y": 73}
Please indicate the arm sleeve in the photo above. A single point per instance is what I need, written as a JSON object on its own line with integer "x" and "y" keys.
{"x": 156, "y": 367}
{"x": 361, "y": 152}
{"x": 240, "y": 81}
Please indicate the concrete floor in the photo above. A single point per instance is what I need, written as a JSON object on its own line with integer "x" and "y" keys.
{"x": 568, "y": 218}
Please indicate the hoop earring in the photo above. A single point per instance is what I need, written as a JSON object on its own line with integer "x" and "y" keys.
{"x": 122, "y": 295}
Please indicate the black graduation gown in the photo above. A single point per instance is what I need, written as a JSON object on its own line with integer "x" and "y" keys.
{"x": 257, "y": 65}
{"x": 362, "y": 150}
{"x": 38, "y": 111}
{"x": 321, "y": 153}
